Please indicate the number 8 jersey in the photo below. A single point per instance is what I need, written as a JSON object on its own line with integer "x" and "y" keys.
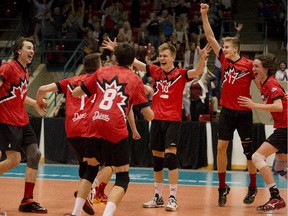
{"x": 117, "y": 88}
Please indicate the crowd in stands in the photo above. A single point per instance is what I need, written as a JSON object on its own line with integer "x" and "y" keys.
{"x": 145, "y": 24}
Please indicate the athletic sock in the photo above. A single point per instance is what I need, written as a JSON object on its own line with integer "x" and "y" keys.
{"x": 109, "y": 209}
{"x": 252, "y": 180}
{"x": 158, "y": 188}
{"x": 79, "y": 202}
{"x": 222, "y": 179}
{"x": 28, "y": 190}
{"x": 173, "y": 190}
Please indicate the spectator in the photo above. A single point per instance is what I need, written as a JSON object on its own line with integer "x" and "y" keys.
{"x": 79, "y": 15}
{"x": 27, "y": 8}
{"x": 143, "y": 35}
{"x": 90, "y": 43}
{"x": 153, "y": 27}
{"x": 126, "y": 31}
{"x": 59, "y": 19}
{"x": 282, "y": 73}
{"x": 42, "y": 9}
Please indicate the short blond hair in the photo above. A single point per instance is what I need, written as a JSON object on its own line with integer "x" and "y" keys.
{"x": 168, "y": 46}
{"x": 234, "y": 40}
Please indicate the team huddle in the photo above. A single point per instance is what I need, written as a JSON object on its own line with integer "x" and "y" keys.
{"x": 102, "y": 100}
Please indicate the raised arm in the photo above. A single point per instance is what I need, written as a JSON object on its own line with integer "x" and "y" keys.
{"x": 139, "y": 65}
{"x": 195, "y": 72}
{"x": 208, "y": 30}
{"x": 110, "y": 45}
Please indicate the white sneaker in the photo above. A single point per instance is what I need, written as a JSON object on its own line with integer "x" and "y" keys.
{"x": 172, "y": 204}
{"x": 156, "y": 202}
{"x": 2, "y": 213}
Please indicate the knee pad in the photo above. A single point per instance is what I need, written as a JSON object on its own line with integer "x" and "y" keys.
{"x": 91, "y": 173}
{"x": 259, "y": 160}
{"x": 82, "y": 168}
{"x": 122, "y": 180}
{"x": 281, "y": 167}
{"x": 158, "y": 163}
{"x": 248, "y": 149}
{"x": 171, "y": 161}
{"x": 33, "y": 155}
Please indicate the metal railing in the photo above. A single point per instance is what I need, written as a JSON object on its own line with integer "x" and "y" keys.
{"x": 52, "y": 50}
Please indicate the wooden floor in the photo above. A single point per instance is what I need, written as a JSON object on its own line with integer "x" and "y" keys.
{"x": 57, "y": 197}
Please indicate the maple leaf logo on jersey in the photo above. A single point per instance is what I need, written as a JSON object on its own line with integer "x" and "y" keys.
{"x": 113, "y": 92}
{"x": 273, "y": 89}
{"x": 16, "y": 91}
{"x": 164, "y": 85}
{"x": 230, "y": 75}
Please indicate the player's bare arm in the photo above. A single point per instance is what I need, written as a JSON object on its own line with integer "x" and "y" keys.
{"x": 203, "y": 53}
{"x": 277, "y": 105}
{"x": 42, "y": 92}
{"x": 40, "y": 110}
{"x": 204, "y": 8}
{"x": 148, "y": 113}
{"x": 110, "y": 45}
{"x": 131, "y": 120}
{"x": 78, "y": 92}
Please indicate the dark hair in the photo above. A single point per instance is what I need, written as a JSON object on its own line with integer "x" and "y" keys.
{"x": 268, "y": 61}
{"x": 18, "y": 44}
{"x": 91, "y": 62}
{"x": 125, "y": 54}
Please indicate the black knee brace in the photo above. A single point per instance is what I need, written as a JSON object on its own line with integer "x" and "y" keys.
{"x": 171, "y": 161}
{"x": 82, "y": 168}
{"x": 91, "y": 173}
{"x": 33, "y": 155}
{"x": 248, "y": 149}
{"x": 122, "y": 180}
{"x": 158, "y": 163}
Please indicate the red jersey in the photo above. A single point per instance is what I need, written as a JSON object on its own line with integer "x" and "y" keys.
{"x": 236, "y": 81}
{"x": 117, "y": 88}
{"x": 13, "y": 93}
{"x": 168, "y": 91}
{"x": 77, "y": 108}
{"x": 271, "y": 90}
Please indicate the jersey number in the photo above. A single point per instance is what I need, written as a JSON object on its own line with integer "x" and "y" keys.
{"x": 82, "y": 98}
{"x": 108, "y": 98}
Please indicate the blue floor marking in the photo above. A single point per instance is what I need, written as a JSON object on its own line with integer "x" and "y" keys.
{"x": 145, "y": 175}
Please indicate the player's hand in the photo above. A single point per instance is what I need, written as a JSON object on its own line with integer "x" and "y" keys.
{"x": 204, "y": 8}
{"x": 246, "y": 102}
{"x": 40, "y": 109}
{"x": 205, "y": 51}
{"x": 42, "y": 103}
{"x": 109, "y": 44}
{"x": 136, "y": 135}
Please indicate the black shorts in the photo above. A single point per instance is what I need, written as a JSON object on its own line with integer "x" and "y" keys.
{"x": 231, "y": 120}
{"x": 279, "y": 140}
{"x": 85, "y": 147}
{"x": 14, "y": 138}
{"x": 164, "y": 134}
{"x": 107, "y": 153}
